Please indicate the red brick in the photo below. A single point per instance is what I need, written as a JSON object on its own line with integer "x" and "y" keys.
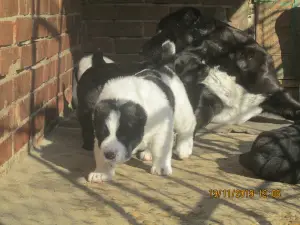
{"x": 22, "y": 84}
{"x": 25, "y": 7}
{"x": 101, "y": 12}
{"x": 23, "y": 29}
{"x": 27, "y": 54}
{"x": 53, "y": 47}
{"x": 60, "y": 104}
{"x": 55, "y": 7}
{"x": 23, "y": 110}
{"x": 8, "y": 56}
{"x": 66, "y": 62}
{"x": 8, "y": 8}
{"x": 106, "y": 44}
{"x": 7, "y": 122}
{"x": 52, "y": 89}
{"x": 129, "y": 45}
{"x": 65, "y": 81}
{"x": 72, "y": 22}
{"x": 40, "y": 29}
{"x": 38, "y": 76}
{"x": 68, "y": 95}
{"x": 7, "y": 30}
{"x": 51, "y": 70}
{"x": 6, "y": 97}
{"x": 53, "y": 26}
{"x": 22, "y": 136}
{"x": 40, "y": 97}
{"x": 115, "y": 29}
{"x": 5, "y": 150}
{"x": 149, "y": 29}
{"x": 41, "y": 50}
{"x": 43, "y": 6}
{"x": 64, "y": 24}
{"x": 141, "y": 12}
{"x": 65, "y": 42}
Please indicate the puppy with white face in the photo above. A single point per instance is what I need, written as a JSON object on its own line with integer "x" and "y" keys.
{"x": 138, "y": 112}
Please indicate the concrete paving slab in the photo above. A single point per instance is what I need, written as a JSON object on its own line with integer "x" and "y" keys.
{"x": 49, "y": 186}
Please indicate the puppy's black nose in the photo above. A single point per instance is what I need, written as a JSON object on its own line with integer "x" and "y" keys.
{"x": 110, "y": 155}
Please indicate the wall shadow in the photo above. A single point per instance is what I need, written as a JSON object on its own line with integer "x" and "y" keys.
{"x": 68, "y": 23}
{"x": 288, "y": 31}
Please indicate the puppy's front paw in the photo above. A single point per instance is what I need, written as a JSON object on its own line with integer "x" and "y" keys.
{"x": 145, "y": 156}
{"x": 97, "y": 177}
{"x": 163, "y": 169}
{"x": 184, "y": 149}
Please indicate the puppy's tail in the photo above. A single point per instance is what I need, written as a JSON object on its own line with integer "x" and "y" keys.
{"x": 273, "y": 157}
{"x": 283, "y": 104}
{"x": 96, "y": 59}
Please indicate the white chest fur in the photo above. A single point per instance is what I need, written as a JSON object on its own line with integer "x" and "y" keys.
{"x": 239, "y": 105}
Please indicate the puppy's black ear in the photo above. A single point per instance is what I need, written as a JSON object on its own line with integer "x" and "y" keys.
{"x": 191, "y": 15}
{"x": 133, "y": 111}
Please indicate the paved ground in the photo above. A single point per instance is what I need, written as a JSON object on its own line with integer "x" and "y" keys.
{"x": 49, "y": 186}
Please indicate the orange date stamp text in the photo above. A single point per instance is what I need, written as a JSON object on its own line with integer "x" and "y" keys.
{"x": 244, "y": 193}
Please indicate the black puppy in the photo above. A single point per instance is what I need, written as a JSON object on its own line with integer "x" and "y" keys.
{"x": 229, "y": 76}
{"x": 92, "y": 76}
{"x": 275, "y": 155}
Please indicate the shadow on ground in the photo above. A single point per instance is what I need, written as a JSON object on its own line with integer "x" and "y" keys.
{"x": 49, "y": 187}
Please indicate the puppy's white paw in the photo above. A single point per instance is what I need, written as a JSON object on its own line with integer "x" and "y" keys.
{"x": 145, "y": 156}
{"x": 97, "y": 177}
{"x": 184, "y": 149}
{"x": 163, "y": 169}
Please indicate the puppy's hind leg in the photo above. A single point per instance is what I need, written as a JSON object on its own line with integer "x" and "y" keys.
{"x": 161, "y": 149}
{"x": 185, "y": 124}
{"x": 104, "y": 171}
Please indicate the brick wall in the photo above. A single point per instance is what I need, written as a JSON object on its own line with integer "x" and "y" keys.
{"x": 38, "y": 44}
{"x": 120, "y": 27}
{"x": 278, "y": 30}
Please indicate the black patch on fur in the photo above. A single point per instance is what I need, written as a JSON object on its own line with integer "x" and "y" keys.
{"x": 155, "y": 77}
{"x": 132, "y": 122}
{"x": 275, "y": 155}
{"x": 207, "y": 106}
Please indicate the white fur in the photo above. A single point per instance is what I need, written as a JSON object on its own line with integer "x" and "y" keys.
{"x": 158, "y": 131}
{"x": 86, "y": 62}
{"x": 111, "y": 143}
{"x": 170, "y": 46}
{"x": 239, "y": 105}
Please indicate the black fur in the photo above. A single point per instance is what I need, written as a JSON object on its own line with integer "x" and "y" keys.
{"x": 132, "y": 122}
{"x": 217, "y": 43}
{"x": 275, "y": 155}
{"x": 154, "y": 76}
{"x": 97, "y": 60}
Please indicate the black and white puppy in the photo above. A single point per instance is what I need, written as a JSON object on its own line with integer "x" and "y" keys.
{"x": 94, "y": 59}
{"x": 138, "y": 112}
{"x": 94, "y": 71}
{"x": 275, "y": 155}
{"x": 229, "y": 77}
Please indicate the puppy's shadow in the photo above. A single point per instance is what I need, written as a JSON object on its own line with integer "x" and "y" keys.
{"x": 231, "y": 163}
{"x": 134, "y": 162}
